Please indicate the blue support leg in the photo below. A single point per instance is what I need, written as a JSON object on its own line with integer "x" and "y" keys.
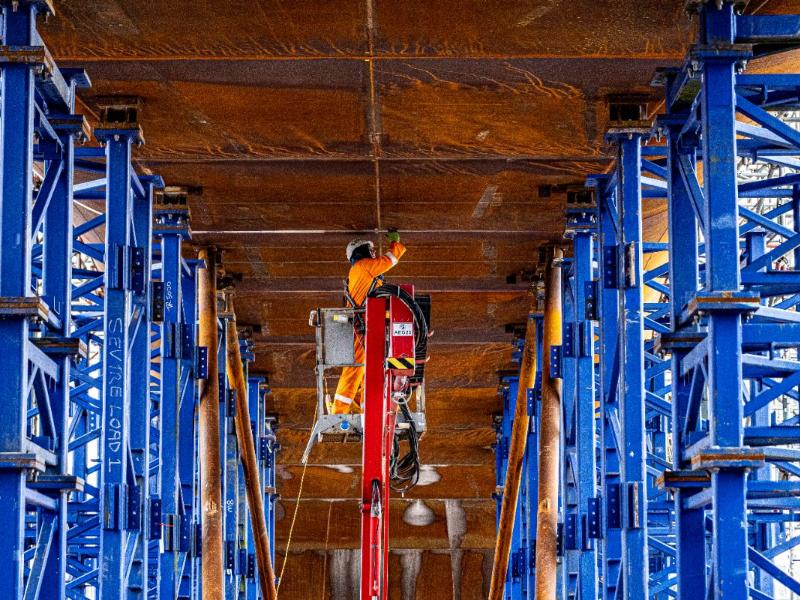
{"x": 16, "y": 167}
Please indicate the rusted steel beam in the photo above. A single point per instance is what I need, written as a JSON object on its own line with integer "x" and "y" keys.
{"x": 208, "y": 431}
{"x": 516, "y": 454}
{"x": 247, "y": 449}
{"x": 549, "y": 439}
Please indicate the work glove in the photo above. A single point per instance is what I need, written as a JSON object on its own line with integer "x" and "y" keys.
{"x": 393, "y": 236}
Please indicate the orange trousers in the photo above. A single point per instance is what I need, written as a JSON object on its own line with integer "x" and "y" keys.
{"x": 349, "y": 391}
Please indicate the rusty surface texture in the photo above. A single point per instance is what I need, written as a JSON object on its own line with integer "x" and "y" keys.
{"x": 300, "y": 125}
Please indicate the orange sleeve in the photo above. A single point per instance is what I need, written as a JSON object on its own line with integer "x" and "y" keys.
{"x": 379, "y": 266}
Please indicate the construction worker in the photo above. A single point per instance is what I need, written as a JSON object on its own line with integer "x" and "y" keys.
{"x": 365, "y": 275}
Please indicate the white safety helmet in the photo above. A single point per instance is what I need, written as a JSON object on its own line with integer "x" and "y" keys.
{"x": 351, "y": 247}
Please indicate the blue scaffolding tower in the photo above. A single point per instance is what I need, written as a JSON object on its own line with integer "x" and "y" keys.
{"x": 680, "y": 473}
{"x": 98, "y": 313}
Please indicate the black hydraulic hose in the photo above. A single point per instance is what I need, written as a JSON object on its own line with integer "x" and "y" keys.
{"x": 387, "y": 290}
{"x": 405, "y": 469}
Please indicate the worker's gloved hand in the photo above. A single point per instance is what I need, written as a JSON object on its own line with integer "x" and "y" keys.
{"x": 393, "y": 236}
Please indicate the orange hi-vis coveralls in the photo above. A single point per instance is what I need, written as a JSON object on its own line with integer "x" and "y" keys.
{"x": 359, "y": 281}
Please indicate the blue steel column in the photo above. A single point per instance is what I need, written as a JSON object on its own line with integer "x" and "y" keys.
{"x": 171, "y": 229}
{"x": 569, "y": 508}
{"x": 256, "y": 405}
{"x": 270, "y": 461}
{"x": 141, "y": 237}
{"x": 16, "y": 168}
{"x": 188, "y": 463}
{"x": 580, "y": 227}
{"x": 608, "y": 307}
{"x": 684, "y": 278}
{"x": 725, "y": 382}
{"x": 116, "y": 476}
{"x": 230, "y": 470}
{"x": 632, "y": 369}
{"x": 57, "y": 290}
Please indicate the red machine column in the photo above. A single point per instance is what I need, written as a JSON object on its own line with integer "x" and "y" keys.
{"x": 375, "y": 456}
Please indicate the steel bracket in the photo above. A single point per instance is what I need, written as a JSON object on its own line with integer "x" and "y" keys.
{"x": 135, "y": 500}
{"x": 568, "y": 340}
{"x": 117, "y": 265}
{"x": 633, "y": 501}
{"x": 532, "y": 398}
{"x": 184, "y": 533}
{"x": 115, "y": 506}
{"x": 591, "y": 293}
{"x": 715, "y": 458}
{"x": 251, "y": 567}
{"x": 157, "y": 301}
{"x": 517, "y": 564}
{"x": 230, "y": 403}
{"x": 570, "y": 531}
{"x": 594, "y": 529}
{"x": 631, "y": 258}
{"x": 197, "y": 541}
{"x": 610, "y": 267}
{"x": 614, "y": 506}
{"x": 241, "y": 566}
{"x": 22, "y": 460}
{"x": 672, "y": 480}
{"x": 263, "y": 448}
{"x": 201, "y": 366}
{"x": 187, "y": 341}
{"x": 586, "y": 338}
{"x": 155, "y": 519}
{"x": 138, "y": 264}
{"x": 171, "y": 531}
{"x": 230, "y": 555}
{"x": 556, "y": 355}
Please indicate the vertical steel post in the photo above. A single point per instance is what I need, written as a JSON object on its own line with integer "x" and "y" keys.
{"x": 568, "y": 571}
{"x": 632, "y": 372}
{"x": 611, "y": 549}
{"x": 229, "y": 452}
{"x": 585, "y": 426}
{"x": 725, "y": 383}
{"x": 140, "y": 366}
{"x": 16, "y": 168}
{"x": 171, "y": 231}
{"x": 255, "y": 401}
{"x": 118, "y": 501}
{"x": 212, "y": 570}
{"x": 684, "y": 277}
{"x": 188, "y": 463}
{"x": 57, "y": 290}
{"x": 549, "y": 438}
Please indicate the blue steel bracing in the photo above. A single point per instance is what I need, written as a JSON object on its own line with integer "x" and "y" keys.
{"x": 98, "y": 471}
{"x": 699, "y": 337}
{"x": 17, "y": 98}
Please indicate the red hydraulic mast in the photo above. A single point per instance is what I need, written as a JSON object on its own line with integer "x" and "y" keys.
{"x": 389, "y": 350}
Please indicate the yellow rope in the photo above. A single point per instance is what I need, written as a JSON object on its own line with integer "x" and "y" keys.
{"x": 294, "y": 516}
